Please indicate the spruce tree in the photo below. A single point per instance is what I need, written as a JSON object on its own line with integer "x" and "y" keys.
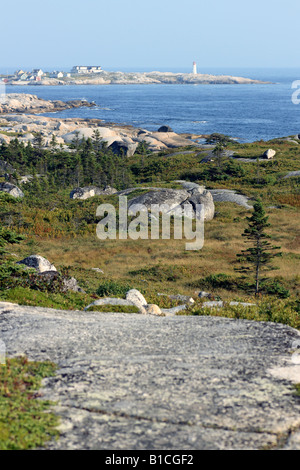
{"x": 258, "y": 257}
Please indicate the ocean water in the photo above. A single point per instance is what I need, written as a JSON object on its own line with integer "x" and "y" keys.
{"x": 245, "y": 112}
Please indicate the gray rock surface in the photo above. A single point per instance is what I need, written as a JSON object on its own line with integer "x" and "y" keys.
{"x": 11, "y": 189}
{"x": 91, "y": 191}
{"x": 292, "y": 174}
{"x": 38, "y": 262}
{"x": 173, "y": 200}
{"x": 269, "y": 154}
{"x": 111, "y": 301}
{"x": 120, "y": 147}
{"x": 5, "y": 168}
{"x": 228, "y": 195}
{"x": 135, "y": 296}
{"x": 130, "y": 381}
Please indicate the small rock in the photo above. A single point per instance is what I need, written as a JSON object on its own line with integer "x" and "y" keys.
{"x": 153, "y": 309}
{"x": 72, "y": 285}
{"x": 182, "y": 298}
{"x": 204, "y": 294}
{"x": 98, "y": 270}
{"x": 91, "y": 191}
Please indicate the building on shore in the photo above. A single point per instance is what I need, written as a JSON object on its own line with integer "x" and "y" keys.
{"x": 86, "y": 69}
{"x": 37, "y": 72}
{"x": 194, "y": 68}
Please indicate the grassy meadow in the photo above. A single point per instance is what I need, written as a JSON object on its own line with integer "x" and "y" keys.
{"x": 64, "y": 230}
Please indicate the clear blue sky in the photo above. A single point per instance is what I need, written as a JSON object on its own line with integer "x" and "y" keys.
{"x": 157, "y": 34}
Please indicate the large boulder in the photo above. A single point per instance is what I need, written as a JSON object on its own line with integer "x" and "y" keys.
{"x": 5, "y": 139}
{"x": 38, "y": 263}
{"x": 203, "y": 197}
{"x": 137, "y": 299}
{"x": 11, "y": 189}
{"x": 91, "y": 191}
{"x": 269, "y": 154}
{"x": 170, "y": 139}
{"x": 124, "y": 147}
{"x": 168, "y": 199}
{"x": 5, "y": 168}
{"x": 165, "y": 129}
{"x": 108, "y": 135}
{"x": 173, "y": 201}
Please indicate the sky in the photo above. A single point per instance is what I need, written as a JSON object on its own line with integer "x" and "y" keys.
{"x": 149, "y": 35}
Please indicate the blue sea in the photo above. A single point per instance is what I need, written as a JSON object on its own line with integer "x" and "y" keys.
{"x": 245, "y": 112}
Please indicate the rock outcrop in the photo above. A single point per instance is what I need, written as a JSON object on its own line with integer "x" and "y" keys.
{"x": 173, "y": 201}
{"x": 228, "y": 195}
{"x": 39, "y": 263}
{"x": 269, "y": 154}
{"x": 137, "y": 299}
{"x": 120, "y": 147}
{"x": 91, "y": 191}
{"x": 11, "y": 189}
{"x": 26, "y": 103}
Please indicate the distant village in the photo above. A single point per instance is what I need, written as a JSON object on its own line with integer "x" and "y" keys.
{"x": 37, "y": 75}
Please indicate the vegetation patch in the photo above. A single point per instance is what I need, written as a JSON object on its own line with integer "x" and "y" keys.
{"x": 113, "y": 308}
{"x": 25, "y": 420}
{"x": 266, "y": 309}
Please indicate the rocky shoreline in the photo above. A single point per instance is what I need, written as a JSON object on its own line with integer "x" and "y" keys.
{"x": 26, "y": 103}
{"x": 141, "y": 78}
{"x": 18, "y": 119}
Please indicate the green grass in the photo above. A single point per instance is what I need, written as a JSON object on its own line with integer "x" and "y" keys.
{"x": 266, "y": 309}
{"x": 113, "y": 308}
{"x": 66, "y": 301}
{"x": 25, "y": 420}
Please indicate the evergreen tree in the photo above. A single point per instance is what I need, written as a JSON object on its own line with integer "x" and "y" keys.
{"x": 259, "y": 256}
{"x": 8, "y": 268}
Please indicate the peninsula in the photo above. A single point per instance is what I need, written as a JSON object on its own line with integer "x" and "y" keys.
{"x": 103, "y": 77}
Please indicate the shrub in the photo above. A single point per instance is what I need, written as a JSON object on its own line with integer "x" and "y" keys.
{"x": 112, "y": 288}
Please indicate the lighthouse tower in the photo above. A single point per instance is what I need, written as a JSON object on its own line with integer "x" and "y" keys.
{"x": 194, "y": 68}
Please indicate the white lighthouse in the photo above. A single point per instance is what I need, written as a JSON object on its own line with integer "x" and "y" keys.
{"x": 194, "y": 68}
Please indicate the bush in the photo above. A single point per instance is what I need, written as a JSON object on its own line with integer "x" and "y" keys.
{"x": 269, "y": 310}
{"x": 110, "y": 288}
{"x": 217, "y": 281}
{"x": 275, "y": 287}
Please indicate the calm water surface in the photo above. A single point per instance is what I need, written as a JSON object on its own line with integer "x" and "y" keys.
{"x": 246, "y": 112}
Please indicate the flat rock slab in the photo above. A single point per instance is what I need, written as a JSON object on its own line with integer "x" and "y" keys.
{"x": 137, "y": 382}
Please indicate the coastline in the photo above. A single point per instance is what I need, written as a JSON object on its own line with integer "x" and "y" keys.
{"x": 140, "y": 78}
{"x": 21, "y": 117}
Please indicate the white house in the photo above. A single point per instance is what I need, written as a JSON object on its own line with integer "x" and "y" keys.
{"x": 38, "y": 72}
{"x": 86, "y": 69}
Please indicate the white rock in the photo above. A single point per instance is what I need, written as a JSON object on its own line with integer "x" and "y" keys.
{"x": 137, "y": 299}
{"x": 269, "y": 154}
{"x": 38, "y": 262}
{"x": 11, "y": 189}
